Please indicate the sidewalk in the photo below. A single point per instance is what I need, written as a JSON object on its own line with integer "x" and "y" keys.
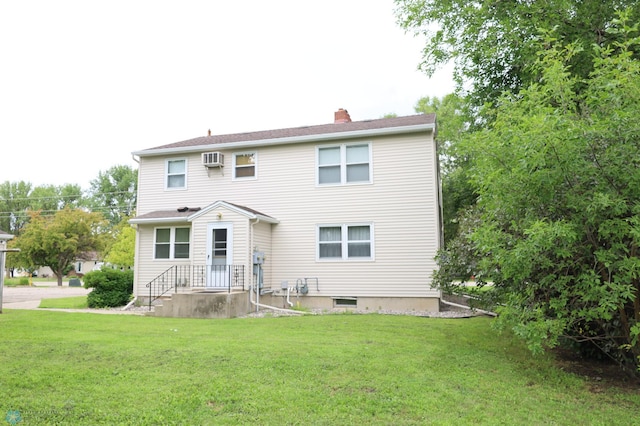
{"x": 29, "y": 297}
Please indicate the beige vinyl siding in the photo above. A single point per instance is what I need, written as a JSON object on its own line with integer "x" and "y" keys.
{"x": 148, "y": 268}
{"x": 400, "y": 203}
{"x": 262, "y": 242}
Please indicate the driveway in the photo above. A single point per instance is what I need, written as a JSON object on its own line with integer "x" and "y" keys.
{"x": 24, "y": 297}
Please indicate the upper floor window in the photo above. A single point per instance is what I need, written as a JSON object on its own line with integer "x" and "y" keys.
{"x": 244, "y": 165}
{"x": 176, "y": 174}
{"x": 172, "y": 243}
{"x": 347, "y": 241}
{"x": 344, "y": 164}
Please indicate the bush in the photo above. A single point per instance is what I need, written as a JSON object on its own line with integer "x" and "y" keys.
{"x": 111, "y": 288}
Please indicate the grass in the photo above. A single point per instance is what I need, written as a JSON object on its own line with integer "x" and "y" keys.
{"x": 13, "y": 282}
{"x": 90, "y": 369}
{"x": 24, "y": 281}
{"x": 75, "y": 302}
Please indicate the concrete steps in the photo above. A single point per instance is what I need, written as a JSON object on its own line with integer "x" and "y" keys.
{"x": 204, "y": 305}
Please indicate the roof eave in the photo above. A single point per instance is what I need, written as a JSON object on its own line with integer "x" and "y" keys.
{"x": 290, "y": 139}
{"x": 158, "y": 220}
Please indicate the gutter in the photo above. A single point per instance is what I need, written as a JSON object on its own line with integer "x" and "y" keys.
{"x": 291, "y": 139}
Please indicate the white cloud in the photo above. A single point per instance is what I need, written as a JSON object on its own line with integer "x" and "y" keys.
{"x": 85, "y": 83}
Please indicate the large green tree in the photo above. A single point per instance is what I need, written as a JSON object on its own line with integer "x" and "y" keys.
{"x": 493, "y": 43}
{"x": 17, "y": 199}
{"x": 453, "y": 122}
{"x": 14, "y": 202}
{"x": 558, "y": 178}
{"x": 58, "y": 240}
{"x": 120, "y": 250}
{"x": 114, "y": 193}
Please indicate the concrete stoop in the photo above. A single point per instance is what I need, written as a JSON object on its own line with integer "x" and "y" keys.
{"x": 204, "y": 305}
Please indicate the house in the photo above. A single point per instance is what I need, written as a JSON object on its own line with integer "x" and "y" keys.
{"x": 85, "y": 262}
{"x": 345, "y": 214}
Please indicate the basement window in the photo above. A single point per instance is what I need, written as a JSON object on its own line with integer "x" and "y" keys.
{"x": 345, "y": 302}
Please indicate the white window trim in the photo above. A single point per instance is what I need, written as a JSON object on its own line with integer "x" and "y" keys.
{"x": 172, "y": 242}
{"x": 343, "y": 164}
{"x": 344, "y": 241}
{"x": 255, "y": 164}
{"x": 166, "y": 174}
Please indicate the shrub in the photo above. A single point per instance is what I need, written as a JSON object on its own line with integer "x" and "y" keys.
{"x": 110, "y": 287}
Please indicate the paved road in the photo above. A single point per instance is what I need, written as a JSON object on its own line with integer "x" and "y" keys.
{"x": 24, "y": 297}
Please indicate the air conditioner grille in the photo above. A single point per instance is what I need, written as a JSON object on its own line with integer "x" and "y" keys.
{"x": 212, "y": 159}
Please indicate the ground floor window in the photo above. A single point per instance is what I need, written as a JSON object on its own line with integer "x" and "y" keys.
{"x": 345, "y": 241}
{"x": 172, "y": 243}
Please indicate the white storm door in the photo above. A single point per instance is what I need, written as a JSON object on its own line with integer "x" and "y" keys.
{"x": 219, "y": 254}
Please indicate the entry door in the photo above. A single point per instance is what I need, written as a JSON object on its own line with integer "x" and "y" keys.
{"x": 219, "y": 254}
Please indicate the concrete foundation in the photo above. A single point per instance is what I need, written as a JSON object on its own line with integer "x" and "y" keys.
{"x": 231, "y": 305}
{"x": 372, "y": 304}
{"x": 204, "y": 305}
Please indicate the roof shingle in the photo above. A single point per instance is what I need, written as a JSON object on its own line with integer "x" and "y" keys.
{"x": 381, "y": 123}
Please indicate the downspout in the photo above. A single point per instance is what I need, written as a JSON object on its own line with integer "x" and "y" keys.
{"x": 257, "y": 303}
{"x": 135, "y": 260}
{"x": 257, "y": 280}
{"x": 493, "y": 314}
{"x": 135, "y": 298}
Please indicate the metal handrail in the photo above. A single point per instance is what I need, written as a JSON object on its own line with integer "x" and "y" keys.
{"x": 222, "y": 277}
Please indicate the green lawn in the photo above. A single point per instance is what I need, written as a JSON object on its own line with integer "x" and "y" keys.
{"x": 89, "y": 369}
{"x": 74, "y": 302}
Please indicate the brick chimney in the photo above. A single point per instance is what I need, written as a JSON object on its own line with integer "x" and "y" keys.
{"x": 342, "y": 116}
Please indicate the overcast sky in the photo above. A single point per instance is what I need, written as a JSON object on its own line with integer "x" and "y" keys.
{"x": 84, "y": 83}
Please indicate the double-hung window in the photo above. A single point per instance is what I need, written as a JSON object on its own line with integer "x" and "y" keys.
{"x": 344, "y": 164}
{"x": 244, "y": 165}
{"x": 345, "y": 242}
{"x": 176, "y": 174}
{"x": 172, "y": 243}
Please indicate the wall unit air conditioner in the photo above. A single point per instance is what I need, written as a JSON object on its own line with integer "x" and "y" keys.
{"x": 212, "y": 159}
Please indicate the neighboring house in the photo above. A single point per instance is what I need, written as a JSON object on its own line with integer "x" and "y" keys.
{"x": 339, "y": 215}
{"x": 86, "y": 262}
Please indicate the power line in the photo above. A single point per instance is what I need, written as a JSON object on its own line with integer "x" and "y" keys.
{"x": 62, "y": 197}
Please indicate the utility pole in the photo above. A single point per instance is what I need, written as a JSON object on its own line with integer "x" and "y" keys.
{"x": 3, "y": 253}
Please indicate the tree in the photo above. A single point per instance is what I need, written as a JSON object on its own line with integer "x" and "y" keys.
{"x": 114, "y": 193}
{"x": 17, "y": 199}
{"x": 453, "y": 122}
{"x": 558, "y": 231}
{"x": 121, "y": 252}
{"x": 14, "y": 201}
{"x": 57, "y": 241}
{"x": 493, "y": 43}
{"x": 50, "y": 198}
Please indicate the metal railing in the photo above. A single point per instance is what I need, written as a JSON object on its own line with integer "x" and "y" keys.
{"x": 199, "y": 277}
